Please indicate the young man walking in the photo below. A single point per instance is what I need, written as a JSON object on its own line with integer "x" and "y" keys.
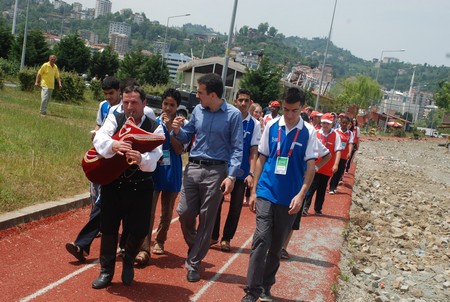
{"x": 284, "y": 172}
{"x": 252, "y": 135}
{"x": 217, "y": 127}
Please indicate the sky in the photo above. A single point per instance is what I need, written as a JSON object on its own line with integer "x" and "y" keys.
{"x": 364, "y": 27}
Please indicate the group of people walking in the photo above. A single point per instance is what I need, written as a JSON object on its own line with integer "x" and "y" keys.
{"x": 272, "y": 163}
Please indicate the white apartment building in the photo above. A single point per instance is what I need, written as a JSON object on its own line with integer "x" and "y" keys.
{"x": 173, "y": 60}
{"x": 102, "y": 7}
{"x": 119, "y": 43}
{"x": 119, "y": 28}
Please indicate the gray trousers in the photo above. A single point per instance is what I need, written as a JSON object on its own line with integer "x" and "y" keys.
{"x": 273, "y": 224}
{"x": 200, "y": 196}
{"x": 46, "y": 94}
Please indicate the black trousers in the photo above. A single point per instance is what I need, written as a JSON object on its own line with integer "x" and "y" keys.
{"x": 124, "y": 199}
{"x": 234, "y": 212}
{"x": 90, "y": 230}
{"x": 318, "y": 186}
{"x": 349, "y": 161}
{"x": 338, "y": 175}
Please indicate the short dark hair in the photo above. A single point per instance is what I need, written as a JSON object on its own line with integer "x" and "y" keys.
{"x": 295, "y": 95}
{"x": 345, "y": 118}
{"x": 128, "y": 82}
{"x": 135, "y": 88}
{"x": 243, "y": 91}
{"x": 213, "y": 83}
{"x": 110, "y": 83}
{"x": 172, "y": 92}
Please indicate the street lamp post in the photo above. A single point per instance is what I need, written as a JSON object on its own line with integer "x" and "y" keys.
{"x": 25, "y": 33}
{"x": 376, "y": 79}
{"x": 381, "y": 58}
{"x": 165, "y": 36}
{"x": 316, "y": 106}
{"x": 227, "y": 51}
{"x": 390, "y": 101}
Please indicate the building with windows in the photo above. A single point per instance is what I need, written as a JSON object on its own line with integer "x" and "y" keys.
{"x": 102, "y": 8}
{"x": 119, "y": 28}
{"x": 77, "y": 7}
{"x": 173, "y": 60}
{"x": 119, "y": 43}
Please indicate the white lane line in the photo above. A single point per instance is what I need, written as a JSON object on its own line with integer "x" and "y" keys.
{"x": 68, "y": 277}
{"x": 220, "y": 272}
{"x": 60, "y": 281}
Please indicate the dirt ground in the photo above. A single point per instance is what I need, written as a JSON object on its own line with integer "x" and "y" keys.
{"x": 397, "y": 246}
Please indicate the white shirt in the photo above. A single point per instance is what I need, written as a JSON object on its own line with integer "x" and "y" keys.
{"x": 103, "y": 143}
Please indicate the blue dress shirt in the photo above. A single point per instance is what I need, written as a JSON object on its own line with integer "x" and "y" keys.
{"x": 218, "y": 135}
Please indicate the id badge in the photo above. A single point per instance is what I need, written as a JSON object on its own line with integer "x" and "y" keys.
{"x": 281, "y": 166}
{"x": 166, "y": 158}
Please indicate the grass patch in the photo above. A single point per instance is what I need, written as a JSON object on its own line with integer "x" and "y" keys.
{"x": 40, "y": 157}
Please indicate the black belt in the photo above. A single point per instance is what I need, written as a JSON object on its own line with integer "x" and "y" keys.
{"x": 207, "y": 162}
{"x": 134, "y": 180}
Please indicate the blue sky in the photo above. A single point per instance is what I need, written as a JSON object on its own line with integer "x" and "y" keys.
{"x": 364, "y": 27}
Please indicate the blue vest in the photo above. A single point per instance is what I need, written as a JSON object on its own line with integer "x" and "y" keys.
{"x": 167, "y": 178}
{"x": 280, "y": 189}
{"x": 248, "y": 127}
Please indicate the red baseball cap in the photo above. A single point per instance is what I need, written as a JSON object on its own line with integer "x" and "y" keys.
{"x": 327, "y": 118}
{"x": 315, "y": 113}
{"x": 275, "y": 104}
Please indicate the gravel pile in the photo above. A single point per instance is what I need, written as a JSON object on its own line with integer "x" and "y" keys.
{"x": 398, "y": 239}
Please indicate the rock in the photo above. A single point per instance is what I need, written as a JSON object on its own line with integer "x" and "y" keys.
{"x": 404, "y": 288}
{"x": 416, "y": 292}
{"x": 446, "y": 284}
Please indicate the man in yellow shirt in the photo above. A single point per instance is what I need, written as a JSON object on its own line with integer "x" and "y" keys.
{"x": 45, "y": 78}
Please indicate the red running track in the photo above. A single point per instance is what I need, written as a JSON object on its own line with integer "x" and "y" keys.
{"x": 36, "y": 266}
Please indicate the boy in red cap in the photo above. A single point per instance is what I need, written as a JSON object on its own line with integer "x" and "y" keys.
{"x": 274, "y": 109}
{"x": 315, "y": 119}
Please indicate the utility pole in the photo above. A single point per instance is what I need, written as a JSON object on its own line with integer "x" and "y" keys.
{"x": 227, "y": 51}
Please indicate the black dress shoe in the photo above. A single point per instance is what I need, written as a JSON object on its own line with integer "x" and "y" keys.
{"x": 76, "y": 251}
{"x": 102, "y": 281}
{"x": 193, "y": 276}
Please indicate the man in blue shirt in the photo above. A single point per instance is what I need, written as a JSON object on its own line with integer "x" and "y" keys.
{"x": 217, "y": 127}
{"x": 284, "y": 171}
{"x": 252, "y": 135}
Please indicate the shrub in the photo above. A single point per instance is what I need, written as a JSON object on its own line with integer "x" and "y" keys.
{"x": 96, "y": 88}
{"x": 9, "y": 67}
{"x": 154, "y": 90}
{"x": 2, "y": 78}
{"x": 27, "y": 78}
{"x": 72, "y": 88}
{"x": 399, "y": 132}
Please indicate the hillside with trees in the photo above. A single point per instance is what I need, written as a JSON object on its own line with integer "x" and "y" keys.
{"x": 286, "y": 52}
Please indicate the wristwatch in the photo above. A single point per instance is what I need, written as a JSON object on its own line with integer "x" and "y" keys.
{"x": 232, "y": 178}
{"x": 252, "y": 174}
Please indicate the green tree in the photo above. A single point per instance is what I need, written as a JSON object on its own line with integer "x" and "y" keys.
{"x": 6, "y": 40}
{"x": 153, "y": 73}
{"x": 442, "y": 96}
{"x": 272, "y": 31}
{"x": 263, "y": 27}
{"x": 37, "y": 50}
{"x": 359, "y": 91}
{"x": 104, "y": 63}
{"x": 264, "y": 82}
{"x": 72, "y": 54}
{"x": 132, "y": 66}
{"x": 145, "y": 69}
